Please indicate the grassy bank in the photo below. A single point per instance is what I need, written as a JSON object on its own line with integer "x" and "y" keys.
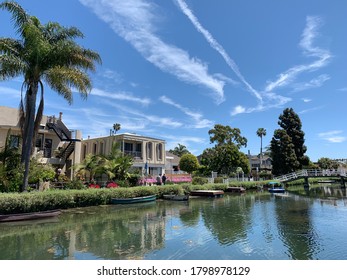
{"x": 11, "y": 203}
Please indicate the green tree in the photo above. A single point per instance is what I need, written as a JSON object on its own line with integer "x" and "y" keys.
{"x": 91, "y": 166}
{"x": 261, "y": 132}
{"x": 115, "y": 128}
{"x": 10, "y": 172}
{"x": 43, "y": 53}
{"x": 189, "y": 163}
{"x": 225, "y": 156}
{"x": 287, "y": 145}
{"x": 225, "y": 159}
{"x": 327, "y": 163}
{"x": 180, "y": 150}
{"x": 291, "y": 123}
{"x": 283, "y": 155}
{"x": 221, "y": 135}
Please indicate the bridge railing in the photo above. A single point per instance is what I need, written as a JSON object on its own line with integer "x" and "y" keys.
{"x": 311, "y": 173}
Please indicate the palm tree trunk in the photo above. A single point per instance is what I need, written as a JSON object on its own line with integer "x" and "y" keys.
{"x": 30, "y": 107}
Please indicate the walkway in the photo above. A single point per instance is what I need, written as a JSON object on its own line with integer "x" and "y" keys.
{"x": 306, "y": 173}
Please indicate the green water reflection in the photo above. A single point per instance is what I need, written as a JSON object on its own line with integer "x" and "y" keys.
{"x": 251, "y": 226}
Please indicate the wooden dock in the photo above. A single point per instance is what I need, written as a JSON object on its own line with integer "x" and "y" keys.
{"x": 207, "y": 193}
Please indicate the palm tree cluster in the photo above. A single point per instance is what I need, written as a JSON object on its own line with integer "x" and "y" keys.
{"x": 115, "y": 165}
{"x": 43, "y": 53}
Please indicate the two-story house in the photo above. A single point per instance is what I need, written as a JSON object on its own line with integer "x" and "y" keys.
{"x": 55, "y": 143}
{"x": 148, "y": 153}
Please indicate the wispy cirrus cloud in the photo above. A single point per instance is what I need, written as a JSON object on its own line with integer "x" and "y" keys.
{"x": 333, "y": 136}
{"x": 288, "y": 77}
{"x": 10, "y": 92}
{"x": 314, "y": 83}
{"x": 135, "y": 22}
{"x": 215, "y": 45}
{"x": 199, "y": 121}
{"x": 148, "y": 119}
{"x": 125, "y": 96}
{"x": 307, "y": 39}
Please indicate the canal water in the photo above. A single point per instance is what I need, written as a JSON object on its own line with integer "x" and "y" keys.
{"x": 254, "y": 226}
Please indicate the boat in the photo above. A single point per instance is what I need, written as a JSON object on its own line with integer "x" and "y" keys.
{"x": 276, "y": 188}
{"x": 208, "y": 193}
{"x": 131, "y": 200}
{"x": 176, "y": 197}
{"x": 235, "y": 189}
{"x": 29, "y": 216}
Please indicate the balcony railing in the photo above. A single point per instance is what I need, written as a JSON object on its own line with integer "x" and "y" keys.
{"x": 134, "y": 154}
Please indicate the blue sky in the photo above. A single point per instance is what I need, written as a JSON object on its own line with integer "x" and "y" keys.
{"x": 172, "y": 69}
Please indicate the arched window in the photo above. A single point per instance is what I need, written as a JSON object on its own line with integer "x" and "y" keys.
{"x": 159, "y": 151}
{"x": 95, "y": 146}
{"x": 149, "y": 150}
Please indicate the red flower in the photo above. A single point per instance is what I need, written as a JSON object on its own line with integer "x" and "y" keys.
{"x": 112, "y": 185}
{"x": 94, "y": 186}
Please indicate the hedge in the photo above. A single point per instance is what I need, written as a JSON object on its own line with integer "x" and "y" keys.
{"x": 11, "y": 203}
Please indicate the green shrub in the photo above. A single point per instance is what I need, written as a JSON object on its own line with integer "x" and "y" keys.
{"x": 199, "y": 181}
{"x": 218, "y": 180}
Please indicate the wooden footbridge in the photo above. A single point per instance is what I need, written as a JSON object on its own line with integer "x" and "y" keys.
{"x": 309, "y": 173}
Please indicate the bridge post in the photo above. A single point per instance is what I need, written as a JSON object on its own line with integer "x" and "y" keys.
{"x": 343, "y": 182}
{"x": 306, "y": 183}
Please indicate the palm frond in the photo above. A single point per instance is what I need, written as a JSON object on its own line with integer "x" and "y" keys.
{"x": 19, "y": 15}
{"x": 62, "y": 79}
{"x": 11, "y": 66}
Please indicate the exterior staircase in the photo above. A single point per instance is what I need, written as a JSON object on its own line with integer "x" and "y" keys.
{"x": 64, "y": 135}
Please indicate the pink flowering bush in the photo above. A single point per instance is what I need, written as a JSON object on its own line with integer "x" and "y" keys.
{"x": 112, "y": 185}
{"x": 94, "y": 186}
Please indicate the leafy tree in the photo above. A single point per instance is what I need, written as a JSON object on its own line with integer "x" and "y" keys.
{"x": 10, "y": 171}
{"x": 90, "y": 166}
{"x": 287, "y": 145}
{"x": 327, "y": 163}
{"x": 116, "y": 165}
{"x": 291, "y": 123}
{"x": 221, "y": 135}
{"x": 180, "y": 150}
{"x": 283, "y": 155}
{"x": 189, "y": 163}
{"x": 42, "y": 53}
{"x": 225, "y": 156}
{"x": 225, "y": 159}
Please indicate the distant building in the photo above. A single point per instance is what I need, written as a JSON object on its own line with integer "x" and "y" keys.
{"x": 261, "y": 164}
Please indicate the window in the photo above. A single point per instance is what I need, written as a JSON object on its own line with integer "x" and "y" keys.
{"x": 14, "y": 141}
{"x": 149, "y": 150}
{"x": 95, "y": 146}
{"x": 128, "y": 147}
{"x": 84, "y": 151}
{"x": 159, "y": 151}
{"x": 39, "y": 141}
{"x": 101, "y": 148}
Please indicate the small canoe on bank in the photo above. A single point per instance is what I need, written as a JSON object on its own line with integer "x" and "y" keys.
{"x": 207, "y": 193}
{"x": 29, "y": 216}
{"x": 130, "y": 200}
{"x": 176, "y": 197}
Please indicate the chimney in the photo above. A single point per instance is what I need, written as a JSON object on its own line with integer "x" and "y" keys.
{"x": 60, "y": 116}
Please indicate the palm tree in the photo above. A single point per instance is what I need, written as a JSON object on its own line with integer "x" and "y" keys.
{"x": 180, "y": 150}
{"x": 44, "y": 53}
{"x": 91, "y": 166}
{"x": 261, "y": 132}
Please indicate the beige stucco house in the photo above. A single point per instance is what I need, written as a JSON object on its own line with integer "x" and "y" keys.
{"x": 148, "y": 153}
{"x": 55, "y": 143}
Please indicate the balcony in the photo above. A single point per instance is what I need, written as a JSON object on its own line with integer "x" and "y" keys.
{"x": 137, "y": 156}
